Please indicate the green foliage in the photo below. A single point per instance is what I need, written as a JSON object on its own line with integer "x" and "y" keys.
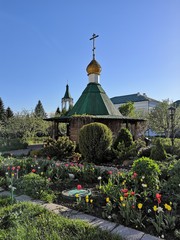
{"x": 2, "y": 111}
{"x": 39, "y": 110}
{"x": 125, "y": 137}
{"x": 123, "y": 153}
{"x": 16, "y": 219}
{"x": 159, "y": 119}
{"x": 9, "y": 113}
{"x": 94, "y": 140}
{"x": 60, "y": 149}
{"x": 171, "y": 185}
{"x": 24, "y": 125}
{"x": 7, "y": 144}
{"x": 5, "y": 201}
{"x": 148, "y": 170}
{"x": 158, "y": 152}
{"x": 127, "y": 109}
{"x": 33, "y": 185}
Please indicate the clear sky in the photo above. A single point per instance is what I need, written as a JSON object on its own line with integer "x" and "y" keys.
{"x": 45, "y": 43}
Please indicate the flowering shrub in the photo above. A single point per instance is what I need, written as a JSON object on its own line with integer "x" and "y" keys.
{"x": 147, "y": 171}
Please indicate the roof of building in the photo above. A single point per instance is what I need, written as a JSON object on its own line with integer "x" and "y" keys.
{"x": 67, "y": 94}
{"x": 94, "y": 101}
{"x": 137, "y": 97}
{"x": 176, "y": 103}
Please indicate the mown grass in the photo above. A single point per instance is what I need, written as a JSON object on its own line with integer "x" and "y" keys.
{"x": 29, "y": 221}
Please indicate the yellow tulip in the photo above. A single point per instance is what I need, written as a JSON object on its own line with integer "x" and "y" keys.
{"x": 140, "y": 205}
{"x": 77, "y": 195}
{"x": 123, "y": 204}
{"x": 155, "y": 208}
{"x": 107, "y": 199}
{"x": 87, "y": 200}
{"x": 91, "y": 200}
{"x": 121, "y": 198}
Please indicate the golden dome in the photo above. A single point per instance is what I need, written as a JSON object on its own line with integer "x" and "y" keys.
{"x": 93, "y": 67}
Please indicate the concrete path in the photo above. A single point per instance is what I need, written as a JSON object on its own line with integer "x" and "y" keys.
{"x": 125, "y": 232}
{"x": 26, "y": 151}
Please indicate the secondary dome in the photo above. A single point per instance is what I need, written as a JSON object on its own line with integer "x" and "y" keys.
{"x": 93, "y": 67}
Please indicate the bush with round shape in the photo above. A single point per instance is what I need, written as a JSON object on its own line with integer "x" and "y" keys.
{"x": 148, "y": 171}
{"x": 94, "y": 140}
{"x": 125, "y": 137}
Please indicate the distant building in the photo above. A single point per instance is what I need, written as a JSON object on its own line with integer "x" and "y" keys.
{"x": 142, "y": 102}
{"x": 67, "y": 100}
{"x": 176, "y": 103}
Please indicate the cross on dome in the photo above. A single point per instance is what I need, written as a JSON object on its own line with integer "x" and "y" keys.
{"x": 93, "y": 38}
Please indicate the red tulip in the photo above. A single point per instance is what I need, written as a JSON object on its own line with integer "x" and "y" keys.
{"x": 33, "y": 170}
{"x": 79, "y": 187}
{"x": 18, "y": 167}
{"x": 126, "y": 194}
{"x": 132, "y": 193}
{"x": 13, "y": 168}
{"x": 125, "y": 190}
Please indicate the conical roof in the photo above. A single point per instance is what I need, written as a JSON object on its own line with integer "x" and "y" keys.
{"x": 94, "y": 101}
{"x": 67, "y": 94}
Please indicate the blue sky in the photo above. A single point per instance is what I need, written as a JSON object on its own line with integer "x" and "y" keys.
{"x": 45, "y": 43}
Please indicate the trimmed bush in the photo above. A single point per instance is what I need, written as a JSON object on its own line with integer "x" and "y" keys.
{"x": 158, "y": 152}
{"x": 125, "y": 137}
{"x": 94, "y": 140}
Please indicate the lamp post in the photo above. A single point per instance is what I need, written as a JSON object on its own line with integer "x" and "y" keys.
{"x": 172, "y": 111}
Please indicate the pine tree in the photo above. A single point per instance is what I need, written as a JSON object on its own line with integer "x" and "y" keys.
{"x": 9, "y": 113}
{"x": 58, "y": 112}
{"x": 39, "y": 110}
{"x": 2, "y": 111}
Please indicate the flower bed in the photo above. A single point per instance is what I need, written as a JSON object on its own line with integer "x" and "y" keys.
{"x": 136, "y": 198}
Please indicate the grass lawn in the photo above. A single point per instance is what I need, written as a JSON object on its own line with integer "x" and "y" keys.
{"x": 31, "y": 222}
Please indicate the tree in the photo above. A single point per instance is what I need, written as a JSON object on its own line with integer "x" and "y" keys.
{"x": 9, "y": 113}
{"x": 127, "y": 109}
{"x": 58, "y": 112}
{"x": 25, "y": 125}
{"x": 39, "y": 110}
{"x": 159, "y": 119}
{"x": 2, "y": 111}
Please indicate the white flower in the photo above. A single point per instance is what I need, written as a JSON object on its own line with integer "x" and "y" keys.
{"x": 160, "y": 209}
{"x": 144, "y": 185}
{"x": 99, "y": 178}
{"x": 143, "y": 177}
{"x": 149, "y": 210}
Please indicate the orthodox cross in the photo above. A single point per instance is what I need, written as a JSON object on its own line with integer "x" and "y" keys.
{"x": 93, "y": 38}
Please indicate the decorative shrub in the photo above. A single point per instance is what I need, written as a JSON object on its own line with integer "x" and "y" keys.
{"x": 125, "y": 137}
{"x": 94, "y": 140}
{"x": 61, "y": 149}
{"x": 147, "y": 170}
{"x": 158, "y": 152}
{"x": 33, "y": 185}
{"x": 7, "y": 144}
{"x": 172, "y": 186}
{"x": 127, "y": 149}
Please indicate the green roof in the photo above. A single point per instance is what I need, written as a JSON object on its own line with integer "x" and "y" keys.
{"x": 94, "y": 101}
{"x": 67, "y": 94}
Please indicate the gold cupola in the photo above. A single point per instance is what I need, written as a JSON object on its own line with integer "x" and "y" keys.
{"x": 93, "y": 68}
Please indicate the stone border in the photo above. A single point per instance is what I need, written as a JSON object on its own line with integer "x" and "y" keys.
{"x": 125, "y": 232}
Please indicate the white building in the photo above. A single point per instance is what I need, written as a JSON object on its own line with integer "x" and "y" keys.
{"x": 142, "y": 102}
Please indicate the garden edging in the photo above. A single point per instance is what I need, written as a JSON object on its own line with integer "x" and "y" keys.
{"x": 125, "y": 232}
